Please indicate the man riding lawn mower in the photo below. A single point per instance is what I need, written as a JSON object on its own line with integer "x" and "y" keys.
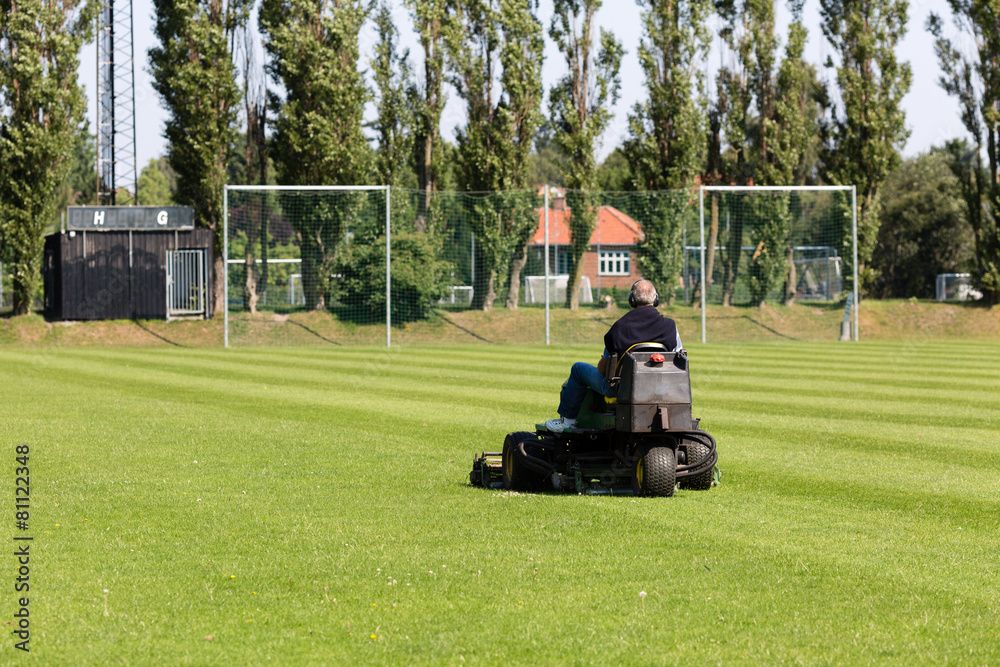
{"x": 625, "y": 425}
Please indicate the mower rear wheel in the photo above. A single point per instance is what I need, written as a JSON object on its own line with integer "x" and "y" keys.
{"x": 655, "y": 472}
{"x": 696, "y": 453}
{"x": 516, "y": 476}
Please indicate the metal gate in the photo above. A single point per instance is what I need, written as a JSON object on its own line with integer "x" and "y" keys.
{"x": 186, "y": 283}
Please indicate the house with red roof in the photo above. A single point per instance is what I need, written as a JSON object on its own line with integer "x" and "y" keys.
{"x": 609, "y": 262}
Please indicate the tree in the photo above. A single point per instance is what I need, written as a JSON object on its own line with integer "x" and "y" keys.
{"x": 433, "y": 19}
{"x": 666, "y": 140}
{"x": 581, "y": 110}
{"x": 393, "y": 115}
{"x": 195, "y": 75}
{"x": 79, "y": 187}
{"x": 41, "y": 114}
{"x": 924, "y": 230}
{"x": 864, "y": 139}
{"x": 494, "y": 146}
{"x": 974, "y": 80}
{"x": 318, "y": 137}
{"x": 154, "y": 187}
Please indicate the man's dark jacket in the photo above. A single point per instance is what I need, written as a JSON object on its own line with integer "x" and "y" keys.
{"x": 641, "y": 325}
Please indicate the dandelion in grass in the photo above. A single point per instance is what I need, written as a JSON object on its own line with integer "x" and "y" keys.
{"x": 106, "y": 602}
{"x": 642, "y": 599}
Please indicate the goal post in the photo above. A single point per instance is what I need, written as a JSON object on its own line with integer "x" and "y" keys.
{"x": 763, "y": 249}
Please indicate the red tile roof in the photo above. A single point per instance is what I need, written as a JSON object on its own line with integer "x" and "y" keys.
{"x": 613, "y": 228}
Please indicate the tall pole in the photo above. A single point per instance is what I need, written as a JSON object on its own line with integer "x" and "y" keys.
{"x": 388, "y": 270}
{"x": 547, "y": 325}
{"x": 225, "y": 263}
{"x": 857, "y": 303}
{"x": 701, "y": 242}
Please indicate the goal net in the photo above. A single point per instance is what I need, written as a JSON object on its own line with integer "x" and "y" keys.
{"x": 779, "y": 262}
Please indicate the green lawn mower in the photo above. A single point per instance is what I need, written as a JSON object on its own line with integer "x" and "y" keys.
{"x": 645, "y": 442}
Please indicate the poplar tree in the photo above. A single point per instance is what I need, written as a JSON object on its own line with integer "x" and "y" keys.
{"x": 491, "y": 37}
{"x": 581, "y": 110}
{"x": 975, "y": 80}
{"x": 864, "y": 138}
{"x": 318, "y": 137}
{"x": 432, "y": 20}
{"x": 770, "y": 125}
{"x": 394, "y": 119}
{"x": 41, "y": 114}
{"x": 194, "y": 73}
{"x": 666, "y": 139}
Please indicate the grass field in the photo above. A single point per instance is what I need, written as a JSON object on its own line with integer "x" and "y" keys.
{"x": 311, "y": 506}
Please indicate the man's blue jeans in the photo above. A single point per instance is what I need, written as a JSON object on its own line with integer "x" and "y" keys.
{"x": 581, "y": 376}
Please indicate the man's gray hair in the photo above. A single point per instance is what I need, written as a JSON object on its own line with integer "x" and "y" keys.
{"x": 645, "y": 293}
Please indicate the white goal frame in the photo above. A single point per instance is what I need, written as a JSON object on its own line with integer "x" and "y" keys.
{"x": 308, "y": 188}
{"x": 779, "y": 188}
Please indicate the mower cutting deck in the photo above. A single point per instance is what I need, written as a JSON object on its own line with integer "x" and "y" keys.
{"x": 645, "y": 442}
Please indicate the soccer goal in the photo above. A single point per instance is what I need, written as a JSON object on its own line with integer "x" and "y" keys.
{"x": 776, "y": 262}
{"x": 307, "y": 265}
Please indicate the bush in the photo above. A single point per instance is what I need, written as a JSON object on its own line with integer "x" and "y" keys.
{"x": 419, "y": 277}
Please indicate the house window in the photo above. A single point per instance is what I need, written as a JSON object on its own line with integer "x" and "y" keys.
{"x": 615, "y": 263}
{"x": 564, "y": 262}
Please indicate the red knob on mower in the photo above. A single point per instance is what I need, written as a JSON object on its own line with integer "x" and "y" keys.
{"x": 657, "y": 358}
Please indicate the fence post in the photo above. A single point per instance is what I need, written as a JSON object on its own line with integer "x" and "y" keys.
{"x": 701, "y": 242}
{"x": 547, "y": 327}
{"x": 225, "y": 265}
{"x": 388, "y": 270}
{"x": 857, "y": 302}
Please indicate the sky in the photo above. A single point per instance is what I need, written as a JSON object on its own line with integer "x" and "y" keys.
{"x": 932, "y": 117}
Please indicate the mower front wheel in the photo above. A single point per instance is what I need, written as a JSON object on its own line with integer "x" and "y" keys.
{"x": 517, "y": 476}
{"x": 655, "y": 472}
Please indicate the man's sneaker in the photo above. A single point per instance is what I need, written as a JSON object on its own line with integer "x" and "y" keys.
{"x": 560, "y": 425}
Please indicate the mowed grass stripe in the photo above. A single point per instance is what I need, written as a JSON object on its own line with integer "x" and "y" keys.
{"x": 328, "y": 486}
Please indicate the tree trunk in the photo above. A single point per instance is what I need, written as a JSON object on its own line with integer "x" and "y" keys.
{"x": 250, "y": 276}
{"x": 573, "y": 281}
{"x": 218, "y": 284}
{"x": 734, "y": 253}
{"x": 793, "y": 279}
{"x": 516, "y": 267}
{"x": 713, "y": 240}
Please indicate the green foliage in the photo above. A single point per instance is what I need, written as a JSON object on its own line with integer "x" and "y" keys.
{"x": 864, "y": 139}
{"x": 157, "y": 183}
{"x": 432, "y": 19}
{"x": 318, "y": 137}
{"x": 547, "y": 161}
{"x": 41, "y": 113}
{"x": 924, "y": 230}
{"x": 79, "y": 188}
{"x": 770, "y": 233}
{"x": 494, "y": 146}
{"x": 660, "y": 255}
{"x": 613, "y": 174}
{"x": 768, "y": 118}
{"x": 581, "y": 110}
{"x": 394, "y": 118}
{"x": 974, "y": 81}
{"x": 419, "y": 277}
{"x": 194, "y": 74}
{"x": 666, "y": 139}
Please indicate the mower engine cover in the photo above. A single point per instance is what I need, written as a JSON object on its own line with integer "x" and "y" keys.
{"x": 654, "y": 394}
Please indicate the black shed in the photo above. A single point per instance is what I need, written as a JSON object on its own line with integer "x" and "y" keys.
{"x": 134, "y": 262}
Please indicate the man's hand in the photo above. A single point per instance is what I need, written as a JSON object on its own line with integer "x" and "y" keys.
{"x": 602, "y": 364}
